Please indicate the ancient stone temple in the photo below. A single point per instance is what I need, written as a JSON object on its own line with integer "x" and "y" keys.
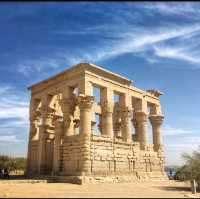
{"x": 91, "y": 124}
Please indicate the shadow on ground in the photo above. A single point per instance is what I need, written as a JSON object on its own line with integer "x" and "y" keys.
{"x": 46, "y": 179}
{"x": 175, "y": 188}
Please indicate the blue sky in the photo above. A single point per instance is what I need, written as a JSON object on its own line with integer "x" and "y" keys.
{"x": 157, "y": 45}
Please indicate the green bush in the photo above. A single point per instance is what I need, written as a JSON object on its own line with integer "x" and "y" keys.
{"x": 191, "y": 168}
{"x": 12, "y": 164}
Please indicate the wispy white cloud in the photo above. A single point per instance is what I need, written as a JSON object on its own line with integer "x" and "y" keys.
{"x": 141, "y": 41}
{"x": 128, "y": 38}
{"x": 13, "y": 109}
{"x": 9, "y": 138}
{"x": 181, "y": 144}
{"x": 176, "y": 53}
{"x": 12, "y": 105}
{"x": 172, "y": 131}
{"x": 13, "y": 121}
{"x": 29, "y": 66}
{"x": 187, "y": 9}
{"x": 177, "y": 141}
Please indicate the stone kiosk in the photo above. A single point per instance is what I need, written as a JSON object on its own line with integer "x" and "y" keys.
{"x": 63, "y": 139}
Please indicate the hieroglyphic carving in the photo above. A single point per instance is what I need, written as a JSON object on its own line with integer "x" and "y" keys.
{"x": 77, "y": 154}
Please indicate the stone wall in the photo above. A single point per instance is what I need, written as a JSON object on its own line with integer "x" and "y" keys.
{"x": 114, "y": 156}
{"x": 110, "y": 157}
{"x": 58, "y": 111}
{"x": 34, "y": 158}
{"x": 73, "y": 155}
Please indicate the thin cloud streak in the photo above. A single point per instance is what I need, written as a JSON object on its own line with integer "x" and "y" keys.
{"x": 9, "y": 138}
{"x": 186, "y": 9}
{"x": 171, "y": 131}
{"x": 133, "y": 43}
{"x": 176, "y": 53}
{"x": 12, "y": 106}
{"x": 130, "y": 39}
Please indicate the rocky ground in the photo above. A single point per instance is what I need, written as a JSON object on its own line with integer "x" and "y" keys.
{"x": 20, "y": 188}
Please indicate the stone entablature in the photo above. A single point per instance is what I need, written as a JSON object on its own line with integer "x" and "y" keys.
{"x": 63, "y": 115}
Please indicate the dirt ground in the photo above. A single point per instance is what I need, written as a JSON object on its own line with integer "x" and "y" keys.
{"x": 11, "y": 188}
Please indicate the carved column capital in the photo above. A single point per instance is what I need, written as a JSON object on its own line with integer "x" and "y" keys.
{"x": 46, "y": 109}
{"x": 85, "y": 102}
{"x": 141, "y": 117}
{"x": 156, "y": 119}
{"x": 107, "y": 107}
{"x": 68, "y": 104}
{"x": 47, "y": 115}
{"x": 57, "y": 119}
{"x": 126, "y": 112}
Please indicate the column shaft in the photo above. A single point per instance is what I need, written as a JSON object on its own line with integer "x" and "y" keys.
{"x": 46, "y": 122}
{"x": 156, "y": 122}
{"x": 136, "y": 127}
{"x": 85, "y": 105}
{"x": 107, "y": 120}
{"x": 141, "y": 119}
{"x": 126, "y": 124}
{"x": 57, "y": 145}
{"x": 68, "y": 107}
{"x": 107, "y": 111}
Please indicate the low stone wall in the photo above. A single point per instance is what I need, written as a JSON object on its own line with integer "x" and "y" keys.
{"x": 104, "y": 156}
{"x": 33, "y": 158}
{"x": 74, "y": 149}
{"x": 114, "y": 156}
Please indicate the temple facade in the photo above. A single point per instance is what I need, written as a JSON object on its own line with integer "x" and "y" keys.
{"x": 89, "y": 123}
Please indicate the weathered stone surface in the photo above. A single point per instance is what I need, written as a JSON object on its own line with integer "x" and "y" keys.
{"x": 62, "y": 127}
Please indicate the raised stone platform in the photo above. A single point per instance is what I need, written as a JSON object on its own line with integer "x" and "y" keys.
{"x": 76, "y": 137}
{"x": 101, "y": 179}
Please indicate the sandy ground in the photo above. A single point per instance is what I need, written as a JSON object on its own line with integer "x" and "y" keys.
{"x": 136, "y": 189}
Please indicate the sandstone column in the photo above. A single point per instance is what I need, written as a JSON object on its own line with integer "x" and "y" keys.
{"x": 68, "y": 110}
{"x": 85, "y": 105}
{"x": 126, "y": 110}
{"x": 126, "y": 124}
{"x": 68, "y": 107}
{"x": 46, "y": 122}
{"x": 135, "y": 126}
{"x": 33, "y": 133}
{"x": 107, "y": 121}
{"x": 141, "y": 119}
{"x": 156, "y": 122}
{"x": 107, "y": 112}
{"x": 57, "y": 144}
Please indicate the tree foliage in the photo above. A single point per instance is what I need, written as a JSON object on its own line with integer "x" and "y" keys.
{"x": 12, "y": 163}
{"x": 191, "y": 169}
